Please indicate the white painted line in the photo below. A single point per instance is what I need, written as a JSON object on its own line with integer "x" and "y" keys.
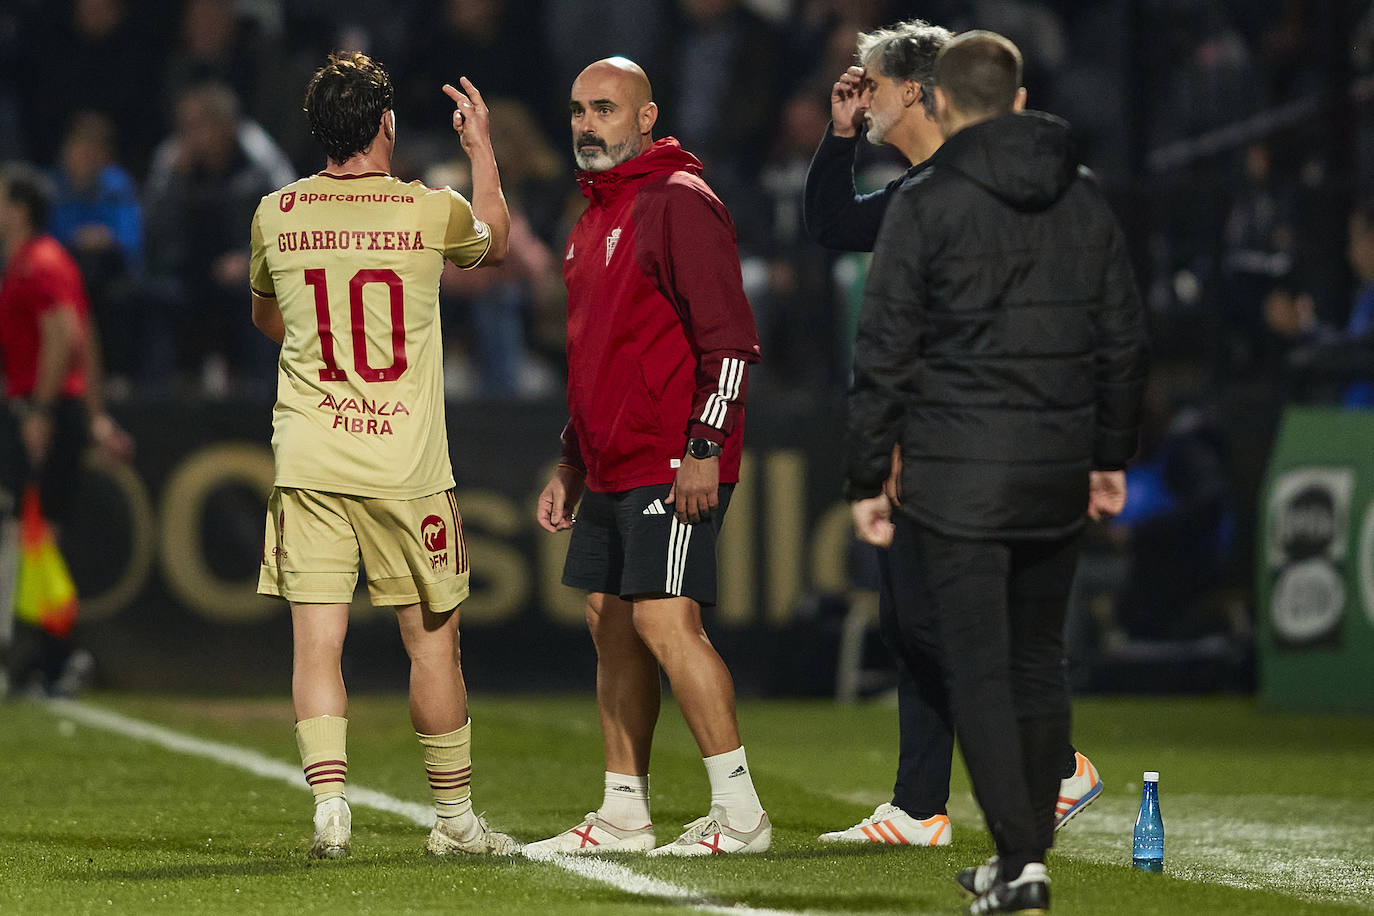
{"x": 591, "y": 868}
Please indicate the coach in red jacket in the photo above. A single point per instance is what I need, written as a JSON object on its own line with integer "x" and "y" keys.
{"x": 660, "y": 338}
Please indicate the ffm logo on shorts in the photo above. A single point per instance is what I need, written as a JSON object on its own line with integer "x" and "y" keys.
{"x": 288, "y": 200}
{"x": 434, "y": 533}
{"x": 278, "y": 551}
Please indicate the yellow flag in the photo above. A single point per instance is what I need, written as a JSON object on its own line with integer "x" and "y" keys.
{"x": 44, "y": 593}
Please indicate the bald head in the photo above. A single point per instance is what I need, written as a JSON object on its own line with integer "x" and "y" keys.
{"x": 622, "y": 72}
{"x": 613, "y": 114}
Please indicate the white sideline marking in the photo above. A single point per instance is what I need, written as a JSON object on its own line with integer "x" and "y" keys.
{"x": 599, "y": 870}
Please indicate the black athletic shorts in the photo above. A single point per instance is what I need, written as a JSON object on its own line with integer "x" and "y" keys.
{"x": 630, "y": 544}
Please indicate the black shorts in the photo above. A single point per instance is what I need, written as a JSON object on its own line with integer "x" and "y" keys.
{"x": 630, "y": 544}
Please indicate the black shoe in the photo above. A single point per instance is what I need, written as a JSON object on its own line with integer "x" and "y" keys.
{"x": 1028, "y": 894}
{"x": 979, "y": 878}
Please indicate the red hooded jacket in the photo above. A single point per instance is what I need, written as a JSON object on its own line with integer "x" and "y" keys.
{"x": 660, "y": 335}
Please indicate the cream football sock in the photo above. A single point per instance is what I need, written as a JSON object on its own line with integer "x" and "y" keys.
{"x": 448, "y": 765}
{"x": 322, "y": 742}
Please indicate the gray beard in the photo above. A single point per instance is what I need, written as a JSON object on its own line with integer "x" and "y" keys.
{"x": 605, "y": 160}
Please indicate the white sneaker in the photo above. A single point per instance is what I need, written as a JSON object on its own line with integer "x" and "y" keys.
{"x": 1078, "y": 791}
{"x": 594, "y": 834}
{"x": 710, "y": 835}
{"x": 333, "y": 830}
{"x": 445, "y": 839}
{"x": 890, "y": 824}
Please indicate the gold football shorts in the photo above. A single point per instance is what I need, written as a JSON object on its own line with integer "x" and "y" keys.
{"x": 412, "y": 549}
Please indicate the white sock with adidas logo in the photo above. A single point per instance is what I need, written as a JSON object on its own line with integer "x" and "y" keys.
{"x": 732, "y": 787}
{"x": 626, "y": 802}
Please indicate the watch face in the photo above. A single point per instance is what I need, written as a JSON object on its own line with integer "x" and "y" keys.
{"x": 702, "y": 448}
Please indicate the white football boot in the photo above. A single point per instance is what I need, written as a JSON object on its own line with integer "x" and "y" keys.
{"x": 333, "y": 830}
{"x": 594, "y": 835}
{"x": 711, "y": 835}
{"x": 472, "y": 836}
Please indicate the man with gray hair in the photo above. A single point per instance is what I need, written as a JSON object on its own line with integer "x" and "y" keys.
{"x": 890, "y": 94}
{"x": 1002, "y": 345}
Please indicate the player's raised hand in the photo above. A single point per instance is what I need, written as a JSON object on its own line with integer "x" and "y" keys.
{"x": 471, "y": 119}
{"x": 847, "y": 102}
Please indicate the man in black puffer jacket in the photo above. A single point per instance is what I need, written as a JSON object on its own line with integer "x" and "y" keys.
{"x": 1002, "y": 345}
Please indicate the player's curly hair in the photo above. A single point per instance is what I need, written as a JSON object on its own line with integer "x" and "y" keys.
{"x": 344, "y": 102}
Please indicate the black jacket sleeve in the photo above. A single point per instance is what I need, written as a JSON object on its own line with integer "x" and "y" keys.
{"x": 886, "y": 349}
{"x": 1122, "y": 360}
{"x": 835, "y": 215}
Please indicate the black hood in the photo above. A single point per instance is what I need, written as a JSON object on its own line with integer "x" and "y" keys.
{"x": 1026, "y": 159}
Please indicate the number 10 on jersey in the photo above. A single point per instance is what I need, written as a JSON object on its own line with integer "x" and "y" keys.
{"x": 315, "y": 278}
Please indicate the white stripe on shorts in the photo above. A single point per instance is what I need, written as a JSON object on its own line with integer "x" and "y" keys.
{"x": 678, "y": 537}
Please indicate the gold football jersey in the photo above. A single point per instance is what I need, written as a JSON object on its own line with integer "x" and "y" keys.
{"x": 354, "y": 265}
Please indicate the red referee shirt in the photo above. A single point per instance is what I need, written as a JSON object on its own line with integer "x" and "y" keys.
{"x": 41, "y": 276}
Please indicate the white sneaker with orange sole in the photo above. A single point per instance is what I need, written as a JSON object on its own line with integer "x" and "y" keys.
{"x": 890, "y": 824}
{"x": 1077, "y": 792}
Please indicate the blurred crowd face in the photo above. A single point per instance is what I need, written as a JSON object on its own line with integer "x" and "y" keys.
{"x": 97, "y": 18}
{"x": 87, "y": 149}
{"x": 605, "y": 121}
{"x": 207, "y": 132}
{"x": 478, "y": 18}
{"x": 207, "y": 31}
{"x": 82, "y": 160}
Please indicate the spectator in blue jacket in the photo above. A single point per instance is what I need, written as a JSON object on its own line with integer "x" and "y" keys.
{"x": 97, "y": 216}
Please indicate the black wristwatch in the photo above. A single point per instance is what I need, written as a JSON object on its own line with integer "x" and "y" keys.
{"x": 703, "y": 448}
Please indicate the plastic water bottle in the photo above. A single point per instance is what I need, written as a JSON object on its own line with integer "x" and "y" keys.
{"x": 1147, "y": 847}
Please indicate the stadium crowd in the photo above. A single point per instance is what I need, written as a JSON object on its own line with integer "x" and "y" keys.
{"x": 164, "y": 121}
{"x": 1232, "y": 137}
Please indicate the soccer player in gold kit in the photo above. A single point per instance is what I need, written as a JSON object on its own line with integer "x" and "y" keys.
{"x": 345, "y": 276}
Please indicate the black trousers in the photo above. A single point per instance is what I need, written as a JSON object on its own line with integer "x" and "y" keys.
{"x": 907, "y": 621}
{"x": 35, "y": 650}
{"x": 994, "y": 626}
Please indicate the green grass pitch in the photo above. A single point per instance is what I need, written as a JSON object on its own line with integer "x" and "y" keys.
{"x": 1263, "y": 813}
